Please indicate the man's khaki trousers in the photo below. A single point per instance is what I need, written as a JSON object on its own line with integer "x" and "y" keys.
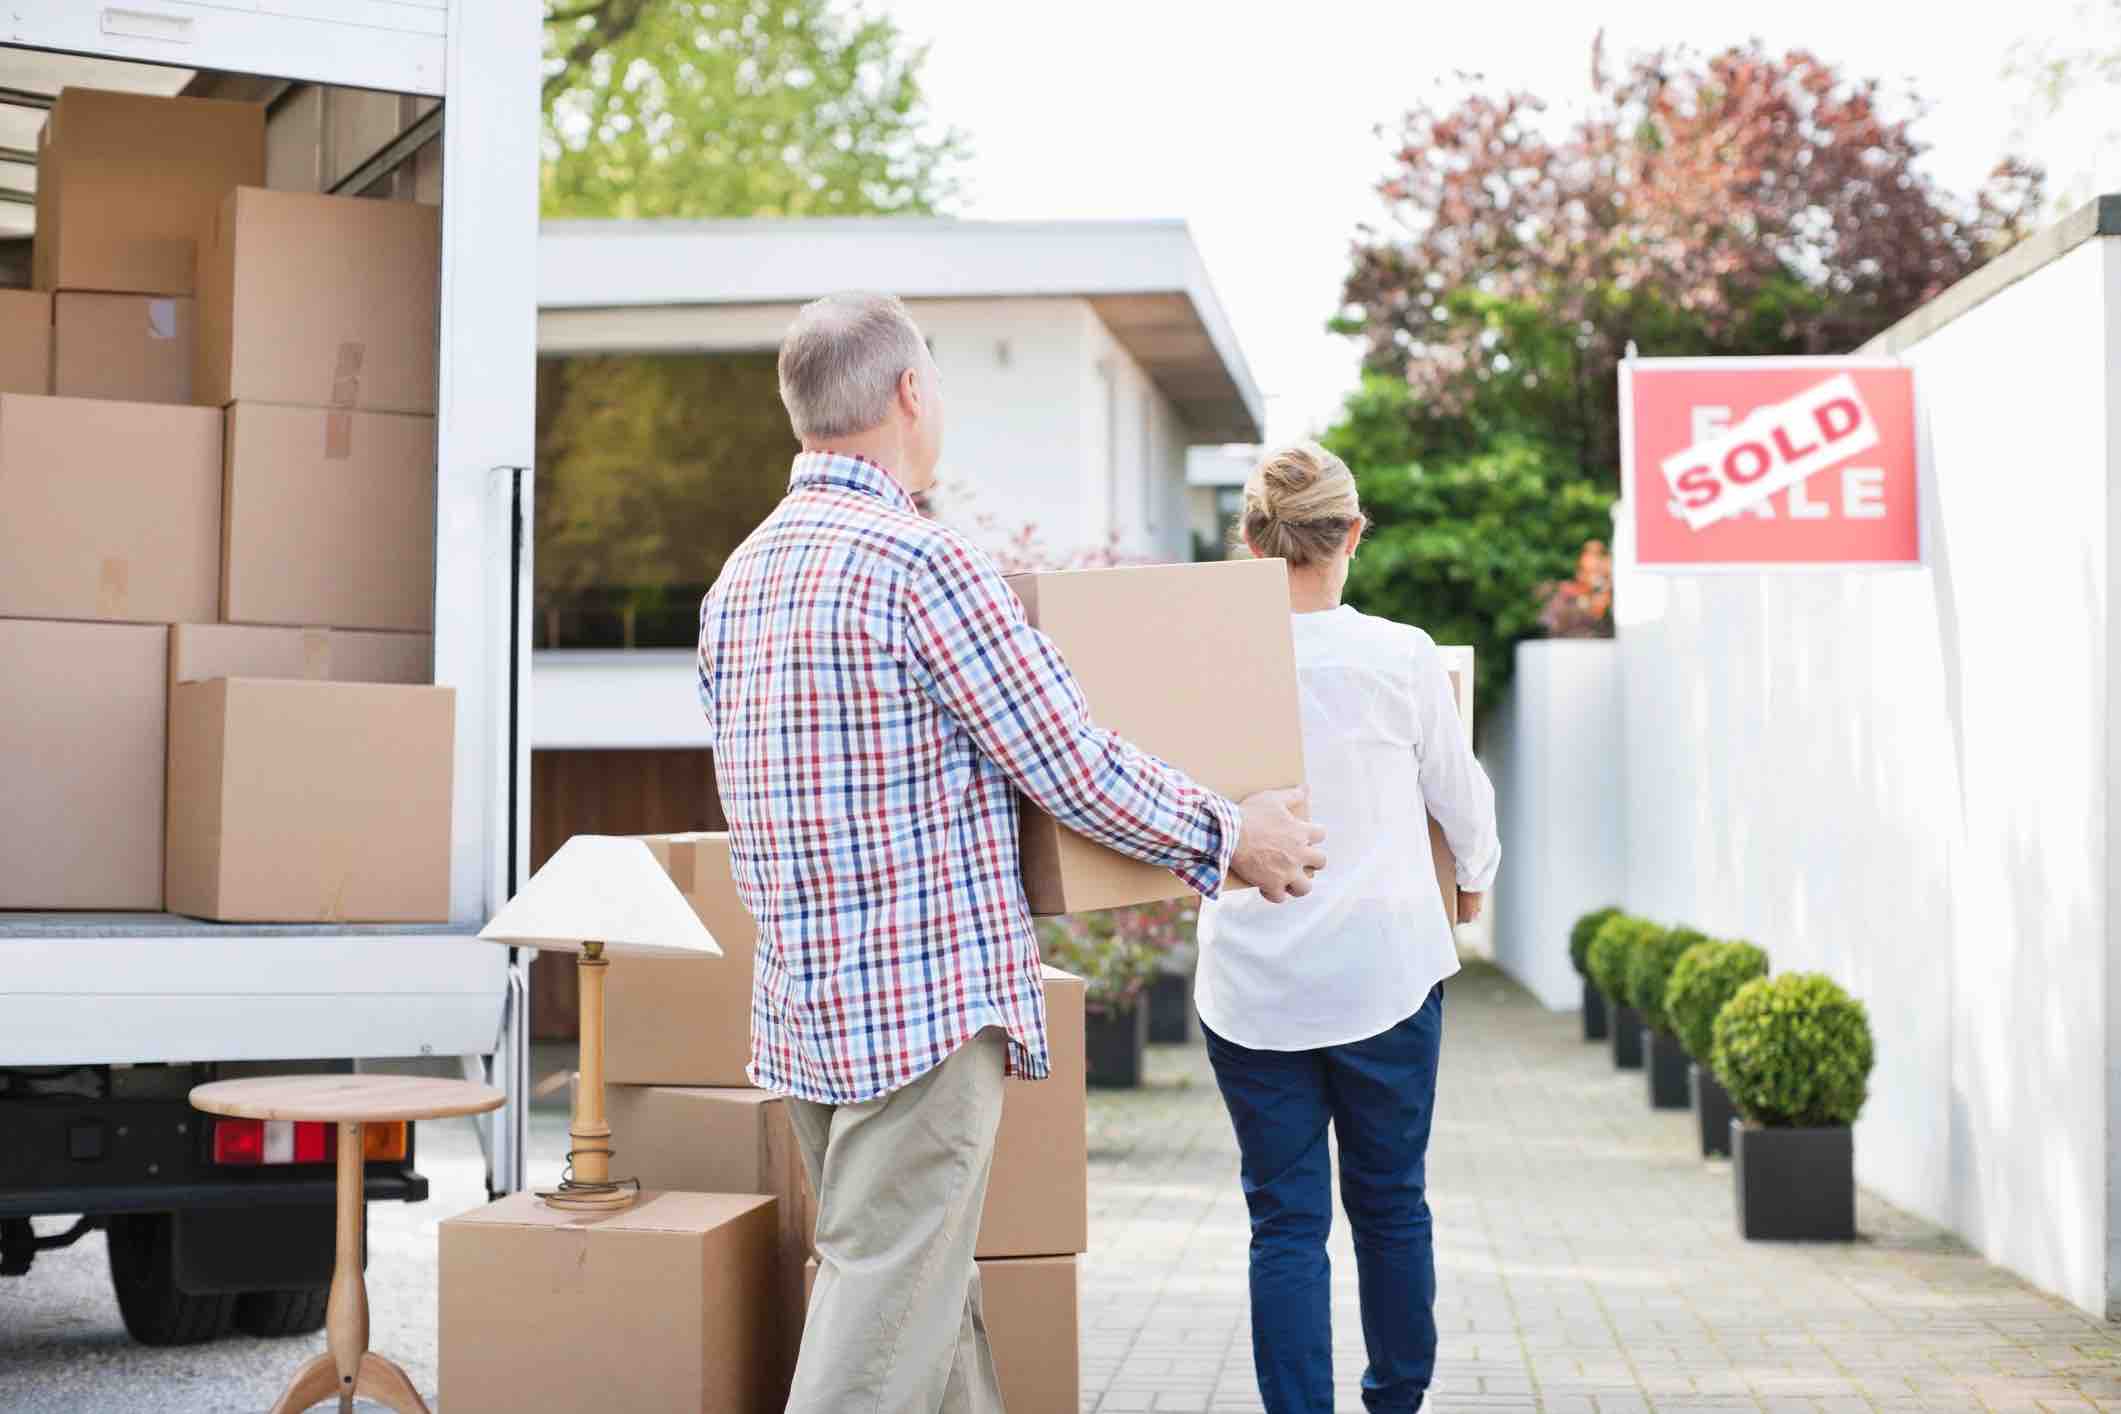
{"x": 895, "y": 1325}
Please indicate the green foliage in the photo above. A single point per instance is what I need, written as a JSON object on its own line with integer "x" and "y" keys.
{"x": 1462, "y": 542}
{"x": 1794, "y": 1051}
{"x": 1613, "y": 949}
{"x": 1119, "y": 952}
{"x": 730, "y": 108}
{"x": 1706, "y": 976}
{"x": 1585, "y": 929}
{"x": 1650, "y": 967}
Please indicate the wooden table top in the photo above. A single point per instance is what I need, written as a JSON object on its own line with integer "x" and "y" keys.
{"x": 343, "y": 1099}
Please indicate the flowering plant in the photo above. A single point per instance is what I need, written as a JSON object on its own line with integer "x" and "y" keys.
{"x": 1581, "y": 607}
{"x": 1118, "y": 953}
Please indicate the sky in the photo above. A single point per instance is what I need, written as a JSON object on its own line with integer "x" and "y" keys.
{"x": 1260, "y": 132}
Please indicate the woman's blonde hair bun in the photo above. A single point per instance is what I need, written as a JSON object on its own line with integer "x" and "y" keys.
{"x": 1299, "y": 502}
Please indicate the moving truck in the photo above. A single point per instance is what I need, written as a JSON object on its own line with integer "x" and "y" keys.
{"x": 107, "y": 1020}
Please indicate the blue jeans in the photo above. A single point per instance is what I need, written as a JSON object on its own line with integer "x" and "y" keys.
{"x": 1379, "y": 1095}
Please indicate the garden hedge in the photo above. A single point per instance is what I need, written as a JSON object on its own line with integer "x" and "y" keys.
{"x": 1794, "y": 1051}
{"x": 1707, "y": 976}
{"x": 1580, "y": 937}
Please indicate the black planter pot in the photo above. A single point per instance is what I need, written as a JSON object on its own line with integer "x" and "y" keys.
{"x": 1594, "y": 1019}
{"x": 1666, "y": 1064}
{"x": 1115, "y": 1042}
{"x": 1627, "y": 1038}
{"x": 1713, "y": 1108}
{"x": 1794, "y": 1185}
{"x": 1170, "y": 1009}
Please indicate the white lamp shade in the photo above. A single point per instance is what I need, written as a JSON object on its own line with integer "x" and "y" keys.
{"x": 603, "y": 889}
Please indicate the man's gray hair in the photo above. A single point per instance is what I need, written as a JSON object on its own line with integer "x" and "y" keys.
{"x": 841, "y": 361}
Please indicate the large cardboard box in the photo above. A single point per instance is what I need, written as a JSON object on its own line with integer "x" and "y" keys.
{"x": 675, "y": 1022}
{"x": 654, "y": 1309}
{"x": 1194, "y": 664}
{"x": 1038, "y": 1195}
{"x": 136, "y": 347}
{"x": 1458, "y": 662}
{"x": 328, "y": 301}
{"x": 25, "y": 341}
{"x": 128, "y": 186}
{"x": 201, "y": 651}
{"x": 330, "y": 519}
{"x": 722, "y": 1141}
{"x": 310, "y": 802}
{"x": 1034, "y": 1327}
{"x": 81, "y": 731}
{"x": 113, "y": 510}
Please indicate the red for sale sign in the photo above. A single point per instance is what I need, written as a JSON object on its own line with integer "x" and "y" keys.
{"x": 1758, "y": 463}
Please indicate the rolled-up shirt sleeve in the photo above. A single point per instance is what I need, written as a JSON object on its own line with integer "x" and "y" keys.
{"x": 1453, "y": 785}
{"x": 979, "y": 659}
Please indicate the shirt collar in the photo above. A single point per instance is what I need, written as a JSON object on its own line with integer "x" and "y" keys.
{"x": 849, "y": 473}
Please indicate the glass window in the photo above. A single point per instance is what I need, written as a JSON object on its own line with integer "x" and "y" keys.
{"x": 652, "y": 468}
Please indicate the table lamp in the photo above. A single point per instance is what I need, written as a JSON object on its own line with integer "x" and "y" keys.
{"x": 600, "y": 896}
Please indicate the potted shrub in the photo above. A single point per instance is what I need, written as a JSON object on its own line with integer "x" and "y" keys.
{"x": 1649, "y": 968}
{"x": 1594, "y": 1017}
{"x": 1795, "y": 1054}
{"x": 1703, "y": 980}
{"x": 1117, "y": 954}
{"x": 1611, "y": 948}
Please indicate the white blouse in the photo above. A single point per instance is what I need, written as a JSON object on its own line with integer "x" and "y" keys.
{"x": 1383, "y": 749}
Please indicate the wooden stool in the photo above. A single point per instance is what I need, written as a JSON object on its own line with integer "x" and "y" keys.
{"x": 346, "y": 1369}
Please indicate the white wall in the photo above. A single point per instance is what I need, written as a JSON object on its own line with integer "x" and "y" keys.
{"x": 1554, "y": 749}
{"x": 1900, "y": 779}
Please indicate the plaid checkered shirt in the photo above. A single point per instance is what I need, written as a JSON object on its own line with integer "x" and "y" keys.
{"x": 875, "y": 700}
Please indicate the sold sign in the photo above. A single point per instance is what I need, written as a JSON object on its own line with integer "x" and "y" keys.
{"x": 1744, "y": 463}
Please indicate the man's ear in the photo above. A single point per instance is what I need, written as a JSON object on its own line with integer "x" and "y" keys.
{"x": 910, "y": 392}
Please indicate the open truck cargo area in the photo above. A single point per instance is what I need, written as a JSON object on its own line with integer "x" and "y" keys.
{"x": 347, "y": 280}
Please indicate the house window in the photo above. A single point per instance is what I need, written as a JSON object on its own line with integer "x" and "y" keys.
{"x": 652, "y": 468}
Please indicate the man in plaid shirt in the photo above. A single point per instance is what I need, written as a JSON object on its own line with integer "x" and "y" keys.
{"x": 876, "y": 700}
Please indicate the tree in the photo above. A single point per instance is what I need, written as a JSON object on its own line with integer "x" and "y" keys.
{"x": 1743, "y": 203}
{"x": 731, "y": 108}
{"x": 2068, "y": 84}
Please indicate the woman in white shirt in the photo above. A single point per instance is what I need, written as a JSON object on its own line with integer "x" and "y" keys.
{"x": 1328, "y": 1010}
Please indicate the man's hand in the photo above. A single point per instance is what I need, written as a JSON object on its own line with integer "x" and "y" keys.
{"x": 1277, "y": 848}
{"x": 1469, "y": 906}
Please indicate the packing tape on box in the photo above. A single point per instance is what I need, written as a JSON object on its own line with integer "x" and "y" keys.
{"x": 346, "y": 374}
{"x": 338, "y": 436}
{"x": 161, "y": 319}
{"x": 316, "y": 654}
{"x": 114, "y": 587}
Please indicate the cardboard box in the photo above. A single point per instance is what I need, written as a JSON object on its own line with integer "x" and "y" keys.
{"x": 1038, "y": 1195}
{"x": 1034, "y": 1327}
{"x": 722, "y": 1141}
{"x": 113, "y": 510}
{"x": 330, "y": 519}
{"x": 1459, "y": 664}
{"x": 25, "y": 341}
{"x": 128, "y": 186}
{"x": 201, "y": 651}
{"x": 652, "y": 1310}
{"x": 1161, "y": 653}
{"x": 81, "y": 731}
{"x": 326, "y": 301}
{"x": 136, "y": 347}
{"x": 673, "y": 1022}
{"x": 310, "y": 802}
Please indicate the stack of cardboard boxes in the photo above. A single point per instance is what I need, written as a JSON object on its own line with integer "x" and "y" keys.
{"x": 686, "y": 1121}
{"x": 217, "y": 467}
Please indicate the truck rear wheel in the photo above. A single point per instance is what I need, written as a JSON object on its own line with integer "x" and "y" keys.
{"x": 282, "y": 1312}
{"x": 142, "y": 1273}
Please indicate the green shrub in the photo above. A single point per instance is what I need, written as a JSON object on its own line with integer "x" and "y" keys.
{"x": 1706, "y": 976}
{"x": 1611, "y": 947}
{"x": 1580, "y": 937}
{"x": 1650, "y": 965}
{"x": 1794, "y": 1051}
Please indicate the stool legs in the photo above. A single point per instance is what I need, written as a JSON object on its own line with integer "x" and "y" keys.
{"x": 346, "y": 1368}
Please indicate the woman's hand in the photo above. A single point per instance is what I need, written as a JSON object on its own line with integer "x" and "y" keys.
{"x": 1277, "y": 848}
{"x": 1469, "y": 906}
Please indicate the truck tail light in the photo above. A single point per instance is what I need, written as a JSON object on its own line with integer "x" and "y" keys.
{"x": 383, "y": 1141}
{"x": 249, "y": 1143}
